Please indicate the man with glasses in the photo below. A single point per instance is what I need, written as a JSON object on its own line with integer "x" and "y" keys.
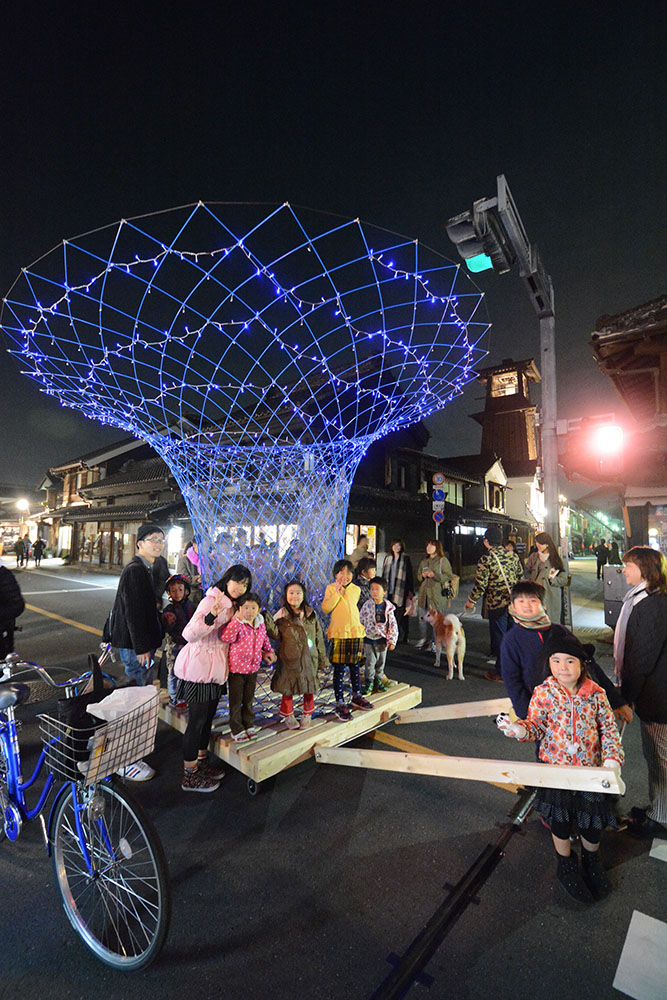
{"x": 135, "y": 624}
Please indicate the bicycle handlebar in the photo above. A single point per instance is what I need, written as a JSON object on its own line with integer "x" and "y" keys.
{"x": 15, "y": 668}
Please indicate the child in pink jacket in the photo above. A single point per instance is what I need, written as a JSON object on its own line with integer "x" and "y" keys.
{"x": 248, "y": 646}
{"x": 202, "y": 669}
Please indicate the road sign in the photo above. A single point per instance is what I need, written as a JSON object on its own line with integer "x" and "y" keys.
{"x": 438, "y": 494}
{"x": 438, "y": 479}
{"x": 438, "y": 516}
{"x": 438, "y": 505}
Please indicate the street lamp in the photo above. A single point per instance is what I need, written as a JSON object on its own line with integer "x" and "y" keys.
{"x": 23, "y": 507}
{"x": 492, "y": 235}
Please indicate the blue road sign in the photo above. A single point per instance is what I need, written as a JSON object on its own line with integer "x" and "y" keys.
{"x": 438, "y": 516}
{"x": 438, "y": 494}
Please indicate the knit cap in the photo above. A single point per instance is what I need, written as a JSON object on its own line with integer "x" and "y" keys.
{"x": 569, "y": 645}
{"x": 148, "y": 529}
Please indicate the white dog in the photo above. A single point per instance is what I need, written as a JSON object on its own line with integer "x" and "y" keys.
{"x": 449, "y": 634}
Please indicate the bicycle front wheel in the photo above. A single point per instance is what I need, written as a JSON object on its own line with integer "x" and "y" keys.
{"x": 121, "y": 905}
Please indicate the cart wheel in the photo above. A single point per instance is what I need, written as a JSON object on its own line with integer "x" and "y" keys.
{"x": 254, "y": 787}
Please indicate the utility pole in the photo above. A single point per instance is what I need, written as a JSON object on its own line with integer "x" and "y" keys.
{"x": 492, "y": 235}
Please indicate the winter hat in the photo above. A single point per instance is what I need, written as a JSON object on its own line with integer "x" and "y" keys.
{"x": 494, "y": 535}
{"x": 569, "y": 645}
{"x": 177, "y": 578}
{"x": 148, "y": 529}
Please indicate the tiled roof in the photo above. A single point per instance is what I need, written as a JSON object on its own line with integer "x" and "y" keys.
{"x": 151, "y": 471}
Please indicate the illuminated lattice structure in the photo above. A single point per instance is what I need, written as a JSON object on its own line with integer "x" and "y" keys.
{"x": 259, "y": 354}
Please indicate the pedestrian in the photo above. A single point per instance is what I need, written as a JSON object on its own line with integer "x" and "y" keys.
{"x": 136, "y": 630}
{"x": 366, "y": 571}
{"x": 19, "y": 552}
{"x": 175, "y": 617}
{"x": 188, "y": 566}
{"x": 614, "y": 557}
{"x": 248, "y": 645}
{"x": 546, "y": 568}
{"x": 521, "y": 651}
{"x": 27, "y": 548}
{"x": 11, "y": 606}
{"x": 602, "y": 555}
{"x": 397, "y": 571}
{"x": 202, "y": 667}
{"x": 360, "y": 551}
{"x": 434, "y": 575}
{"x": 640, "y": 655}
{"x": 510, "y": 547}
{"x": 301, "y": 655}
{"x": 571, "y": 717}
{"x": 38, "y": 550}
{"x": 347, "y": 635}
{"x": 495, "y": 576}
{"x": 379, "y": 621}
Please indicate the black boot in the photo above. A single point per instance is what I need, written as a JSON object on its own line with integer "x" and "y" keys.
{"x": 568, "y": 875}
{"x": 594, "y": 874}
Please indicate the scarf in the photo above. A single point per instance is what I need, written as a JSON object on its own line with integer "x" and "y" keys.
{"x": 632, "y": 598}
{"x": 193, "y": 557}
{"x": 540, "y": 620}
{"x": 395, "y": 579}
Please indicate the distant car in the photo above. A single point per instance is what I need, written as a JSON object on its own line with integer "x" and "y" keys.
{"x": 8, "y": 546}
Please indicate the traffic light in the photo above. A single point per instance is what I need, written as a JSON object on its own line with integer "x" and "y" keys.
{"x": 481, "y": 239}
{"x": 461, "y": 232}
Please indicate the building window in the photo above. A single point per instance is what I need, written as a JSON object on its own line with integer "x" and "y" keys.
{"x": 402, "y": 477}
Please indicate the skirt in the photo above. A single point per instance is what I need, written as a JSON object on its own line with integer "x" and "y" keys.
{"x": 582, "y": 810}
{"x": 347, "y": 651}
{"x": 196, "y": 692}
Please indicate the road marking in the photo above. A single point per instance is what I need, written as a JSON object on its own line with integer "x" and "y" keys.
{"x": 66, "y": 621}
{"x": 407, "y": 747}
{"x": 71, "y": 579}
{"x": 63, "y": 590}
{"x": 642, "y": 967}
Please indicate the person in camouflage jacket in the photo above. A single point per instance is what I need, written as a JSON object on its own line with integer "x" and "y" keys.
{"x": 496, "y": 574}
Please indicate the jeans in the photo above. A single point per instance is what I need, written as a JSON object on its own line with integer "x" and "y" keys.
{"x": 134, "y": 670}
{"x": 376, "y": 658}
{"x": 499, "y": 623}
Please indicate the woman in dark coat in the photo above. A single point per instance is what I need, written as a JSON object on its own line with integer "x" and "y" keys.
{"x": 640, "y": 652}
{"x": 301, "y": 654}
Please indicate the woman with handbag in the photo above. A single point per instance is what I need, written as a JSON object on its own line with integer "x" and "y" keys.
{"x": 434, "y": 575}
{"x": 397, "y": 571}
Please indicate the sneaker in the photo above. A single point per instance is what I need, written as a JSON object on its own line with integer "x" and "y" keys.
{"x": 253, "y": 730}
{"x": 305, "y": 721}
{"x": 240, "y": 737}
{"x": 343, "y": 713}
{"x": 420, "y": 643}
{"x": 388, "y": 681}
{"x": 594, "y": 874}
{"x": 178, "y": 705}
{"x": 492, "y": 660}
{"x": 359, "y": 701}
{"x": 569, "y": 877}
{"x": 209, "y": 768}
{"x": 194, "y": 780}
{"x": 369, "y": 688}
{"x": 381, "y": 684}
{"x": 139, "y": 771}
{"x": 290, "y": 721}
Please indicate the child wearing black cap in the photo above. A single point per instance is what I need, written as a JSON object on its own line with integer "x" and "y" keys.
{"x": 571, "y": 717}
{"x": 175, "y": 617}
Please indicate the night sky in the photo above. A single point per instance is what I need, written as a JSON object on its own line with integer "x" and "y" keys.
{"x": 401, "y": 114}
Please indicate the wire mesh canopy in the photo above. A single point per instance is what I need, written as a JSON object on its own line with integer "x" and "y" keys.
{"x": 259, "y": 352}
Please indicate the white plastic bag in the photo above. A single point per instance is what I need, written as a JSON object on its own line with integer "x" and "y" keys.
{"x": 121, "y": 701}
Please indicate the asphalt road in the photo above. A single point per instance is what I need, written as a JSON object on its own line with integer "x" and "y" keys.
{"x": 305, "y": 890}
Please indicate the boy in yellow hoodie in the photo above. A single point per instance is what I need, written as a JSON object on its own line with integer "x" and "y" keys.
{"x": 347, "y": 637}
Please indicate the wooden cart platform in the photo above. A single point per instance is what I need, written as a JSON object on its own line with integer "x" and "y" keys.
{"x": 276, "y": 747}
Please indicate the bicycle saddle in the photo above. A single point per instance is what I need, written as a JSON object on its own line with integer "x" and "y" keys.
{"x": 13, "y": 694}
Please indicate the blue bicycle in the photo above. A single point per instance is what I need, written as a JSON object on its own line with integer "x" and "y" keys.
{"x": 109, "y": 863}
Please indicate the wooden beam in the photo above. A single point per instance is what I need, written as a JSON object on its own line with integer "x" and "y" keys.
{"x": 464, "y": 710}
{"x": 583, "y": 779}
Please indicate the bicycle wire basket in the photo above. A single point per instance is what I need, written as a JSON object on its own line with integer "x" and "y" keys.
{"x": 91, "y": 754}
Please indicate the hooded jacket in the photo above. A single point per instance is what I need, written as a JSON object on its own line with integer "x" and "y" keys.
{"x": 204, "y": 658}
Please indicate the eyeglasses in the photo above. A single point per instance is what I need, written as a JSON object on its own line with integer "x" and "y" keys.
{"x": 155, "y": 539}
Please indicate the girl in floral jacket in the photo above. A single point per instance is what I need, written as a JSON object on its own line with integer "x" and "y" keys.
{"x": 571, "y": 717}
